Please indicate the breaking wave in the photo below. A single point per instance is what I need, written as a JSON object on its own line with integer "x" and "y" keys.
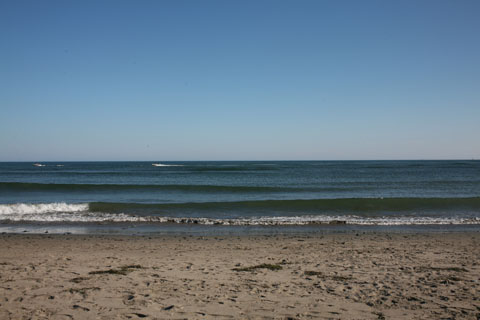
{"x": 82, "y": 212}
{"x": 40, "y": 208}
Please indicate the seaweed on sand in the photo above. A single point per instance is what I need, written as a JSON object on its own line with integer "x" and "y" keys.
{"x": 273, "y": 267}
{"x": 120, "y": 271}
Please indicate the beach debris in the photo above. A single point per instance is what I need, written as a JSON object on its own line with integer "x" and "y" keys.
{"x": 76, "y": 306}
{"x": 319, "y": 274}
{"x": 78, "y": 279}
{"x": 169, "y": 307}
{"x": 140, "y": 315}
{"x": 273, "y": 267}
{"x": 455, "y": 269}
{"x": 124, "y": 270}
{"x": 83, "y": 291}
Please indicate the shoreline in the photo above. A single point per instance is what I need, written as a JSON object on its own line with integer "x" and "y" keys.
{"x": 331, "y": 275}
{"x": 171, "y": 229}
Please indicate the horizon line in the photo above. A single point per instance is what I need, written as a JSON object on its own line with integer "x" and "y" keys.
{"x": 274, "y": 160}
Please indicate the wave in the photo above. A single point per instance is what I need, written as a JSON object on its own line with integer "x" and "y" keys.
{"x": 361, "y": 211}
{"x": 327, "y": 187}
{"x": 57, "y": 212}
{"x": 26, "y": 186}
{"x": 231, "y": 168}
{"x": 362, "y": 206}
{"x": 78, "y": 213}
{"x": 40, "y": 208}
{"x": 222, "y": 167}
{"x": 344, "y": 206}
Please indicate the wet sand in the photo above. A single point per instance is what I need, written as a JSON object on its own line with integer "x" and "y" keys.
{"x": 331, "y": 276}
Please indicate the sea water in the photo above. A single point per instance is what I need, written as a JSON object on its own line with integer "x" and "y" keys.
{"x": 247, "y": 193}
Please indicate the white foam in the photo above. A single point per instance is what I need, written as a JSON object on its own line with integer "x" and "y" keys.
{"x": 58, "y": 212}
{"x": 63, "y": 212}
{"x": 39, "y": 165}
{"x": 166, "y": 165}
{"x": 39, "y": 208}
{"x": 72, "y": 217}
{"x": 312, "y": 220}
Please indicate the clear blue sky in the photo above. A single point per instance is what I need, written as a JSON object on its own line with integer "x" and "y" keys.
{"x": 239, "y": 80}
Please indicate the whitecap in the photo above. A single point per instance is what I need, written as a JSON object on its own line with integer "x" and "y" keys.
{"x": 166, "y": 165}
{"x": 63, "y": 212}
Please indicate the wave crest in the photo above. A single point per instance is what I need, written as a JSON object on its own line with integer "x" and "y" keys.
{"x": 63, "y": 212}
{"x": 166, "y": 165}
{"x": 27, "y": 208}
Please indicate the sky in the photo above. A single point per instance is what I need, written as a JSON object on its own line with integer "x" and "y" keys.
{"x": 239, "y": 80}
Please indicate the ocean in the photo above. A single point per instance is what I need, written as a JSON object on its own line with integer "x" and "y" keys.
{"x": 248, "y": 194}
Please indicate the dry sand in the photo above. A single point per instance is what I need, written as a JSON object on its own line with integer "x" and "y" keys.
{"x": 332, "y": 276}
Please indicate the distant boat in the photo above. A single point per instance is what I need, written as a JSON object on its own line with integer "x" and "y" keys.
{"x": 39, "y": 165}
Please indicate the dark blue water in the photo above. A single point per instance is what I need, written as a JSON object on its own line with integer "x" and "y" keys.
{"x": 242, "y": 193}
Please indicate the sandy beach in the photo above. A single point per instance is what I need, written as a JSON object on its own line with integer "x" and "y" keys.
{"x": 331, "y": 276}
